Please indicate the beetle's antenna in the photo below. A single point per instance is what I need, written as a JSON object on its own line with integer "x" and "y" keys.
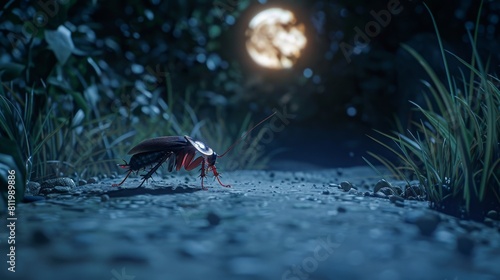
{"x": 245, "y": 135}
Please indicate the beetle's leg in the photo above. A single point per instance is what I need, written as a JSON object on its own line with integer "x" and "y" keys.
{"x": 116, "y": 185}
{"x": 153, "y": 170}
{"x": 186, "y": 160}
{"x": 202, "y": 174}
{"x": 179, "y": 158}
{"x": 190, "y": 166}
{"x": 217, "y": 174}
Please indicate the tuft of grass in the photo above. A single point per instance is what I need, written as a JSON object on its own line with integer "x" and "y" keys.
{"x": 454, "y": 150}
{"x": 52, "y": 144}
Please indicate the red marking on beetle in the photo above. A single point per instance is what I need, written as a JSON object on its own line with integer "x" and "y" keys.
{"x": 178, "y": 152}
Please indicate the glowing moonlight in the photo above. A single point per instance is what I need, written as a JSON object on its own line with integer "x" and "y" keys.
{"x": 275, "y": 39}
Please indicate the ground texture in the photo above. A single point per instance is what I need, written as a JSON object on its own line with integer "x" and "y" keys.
{"x": 269, "y": 225}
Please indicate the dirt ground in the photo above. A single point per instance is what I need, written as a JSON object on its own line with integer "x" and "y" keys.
{"x": 269, "y": 225}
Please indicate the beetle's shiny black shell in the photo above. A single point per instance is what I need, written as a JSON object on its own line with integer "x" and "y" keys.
{"x": 141, "y": 160}
{"x": 171, "y": 148}
{"x": 164, "y": 144}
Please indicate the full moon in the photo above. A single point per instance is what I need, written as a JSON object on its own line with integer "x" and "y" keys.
{"x": 275, "y": 39}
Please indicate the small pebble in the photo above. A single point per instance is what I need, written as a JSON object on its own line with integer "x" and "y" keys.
{"x": 93, "y": 180}
{"x": 213, "y": 219}
{"x": 465, "y": 245}
{"x": 427, "y": 223}
{"x": 387, "y": 191}
{"x": 345, "y": 185}
{"x": 104, "y": 198}
{"x": 32, "y": 187}
{"x": 341, "y": 209}
{"x": 381, "y": 184}
{"x": 82, "y": 182}
{"x": 492, "y": 214}
{"x": 326, "y": 192}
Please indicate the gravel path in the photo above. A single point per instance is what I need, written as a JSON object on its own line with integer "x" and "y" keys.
{"x": 269, "y": 225}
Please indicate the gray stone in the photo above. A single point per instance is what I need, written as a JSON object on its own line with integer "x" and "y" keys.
{"x": 32, "y": 188}
{"x": 64, "y": 181}
{"x": 381, "y": 184}
{"x": 82, "y": 182}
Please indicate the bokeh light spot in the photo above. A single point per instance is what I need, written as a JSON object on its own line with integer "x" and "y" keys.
{"x": 308, "y": 73}
{"x": 275, "y": 39}
{"x": 351, "y": 111}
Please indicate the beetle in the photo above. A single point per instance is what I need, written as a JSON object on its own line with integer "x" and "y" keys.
{"x": 178, "y": 152}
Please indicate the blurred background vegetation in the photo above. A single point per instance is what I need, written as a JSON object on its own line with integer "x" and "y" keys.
{"x": 84, "y": 81}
